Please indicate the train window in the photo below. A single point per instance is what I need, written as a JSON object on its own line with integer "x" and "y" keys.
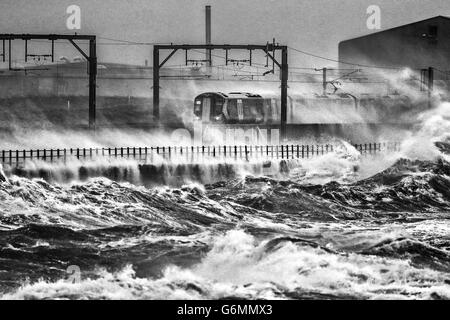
{"x": 259, "y": 110}
{"x": 274, "y": 105}
{"x": 432, "y": 31}
{"x": 267, "y": 110}
{"x": 232, "y": 110}
{"x": 247, "y": 109}
{"x": 240, "y": 109}
{"x": 218, "y": 104}
{"x": 198, "y": 107}
{"x": 253, "y": 110}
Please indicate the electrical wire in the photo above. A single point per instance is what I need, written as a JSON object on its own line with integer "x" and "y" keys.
{"x": 128, "y": 42}
{"x": 133, "y": 42}
{"x": 123, "y": 42}
{"x": 340, "y": 61}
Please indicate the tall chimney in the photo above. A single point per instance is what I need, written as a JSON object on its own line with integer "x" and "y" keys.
{"x": 208, "y": 32}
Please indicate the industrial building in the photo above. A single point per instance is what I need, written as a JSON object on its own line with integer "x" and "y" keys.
{"x": 417, "y": 45}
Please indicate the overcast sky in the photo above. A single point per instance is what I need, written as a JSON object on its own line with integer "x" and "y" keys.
{"x": 316, "y": 26}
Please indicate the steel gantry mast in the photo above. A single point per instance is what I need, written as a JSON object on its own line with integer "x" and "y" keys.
{"x": 91, "y": 57}
{"x": 269, "y": 49}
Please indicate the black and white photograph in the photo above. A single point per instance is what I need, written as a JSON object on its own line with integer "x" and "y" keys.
{"x": 238, "y": 150}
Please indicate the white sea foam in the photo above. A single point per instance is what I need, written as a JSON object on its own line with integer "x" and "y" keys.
{"x": 238, "y": 265}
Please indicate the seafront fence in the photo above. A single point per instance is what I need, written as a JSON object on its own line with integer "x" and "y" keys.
{"x": 188, "y": 153}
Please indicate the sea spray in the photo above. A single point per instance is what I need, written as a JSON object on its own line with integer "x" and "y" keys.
{"x": 342, "y": 164}
{"x": 434, "y": 127}
{"x": 318, "y": 230}
{"x": 240, "y": 266}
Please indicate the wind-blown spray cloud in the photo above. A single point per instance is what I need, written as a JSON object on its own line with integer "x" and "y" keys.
{"x": 336, "y": 226}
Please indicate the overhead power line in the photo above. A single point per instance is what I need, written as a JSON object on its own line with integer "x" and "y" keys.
{"x": 340, "y": 61}
{"x": 122, "y": 42}
{"x": 133, "y": 42}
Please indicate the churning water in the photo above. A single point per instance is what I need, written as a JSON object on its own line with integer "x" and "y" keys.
{"x": 338, "y": 226}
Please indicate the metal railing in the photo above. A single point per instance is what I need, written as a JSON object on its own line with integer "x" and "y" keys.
{"x": 189, "y": 154}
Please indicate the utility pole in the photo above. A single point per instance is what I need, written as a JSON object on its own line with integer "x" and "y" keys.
{"x": 208, "y": 34}
{"x": 430, "y": 85}
{"x": 324, "y": 80}
{"x": 284, "y": 87}
{"x": 423, "y": 75}
{"x": 3, "y": 54}
{"x": 9, "y": 55}
{"x": 92, "y": 82}
{"x": 155, "y": 84}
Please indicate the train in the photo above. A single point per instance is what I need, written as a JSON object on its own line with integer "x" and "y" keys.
{"x": 343, "y": 108}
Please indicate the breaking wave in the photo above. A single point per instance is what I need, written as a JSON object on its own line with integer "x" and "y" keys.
{"x": 339, "y": 226}
{"x": 240, "y": 266}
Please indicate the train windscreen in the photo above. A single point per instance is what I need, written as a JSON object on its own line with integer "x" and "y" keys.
{"x": 254, "y": 111}
{"x": 217, "y": 109}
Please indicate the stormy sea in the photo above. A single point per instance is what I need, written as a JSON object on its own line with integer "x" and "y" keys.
{"x": 338, "y": 226}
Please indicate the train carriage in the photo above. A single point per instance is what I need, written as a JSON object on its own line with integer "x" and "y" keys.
{"x": 235, "y": 108}
{"x": 344, "y": 108}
